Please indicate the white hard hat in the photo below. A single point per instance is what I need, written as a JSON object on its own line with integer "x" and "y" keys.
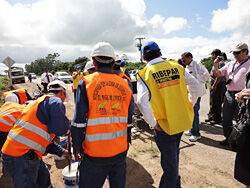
{"x": 89, "y": 65}
{"x": 12, "y": 97}
{"x": 103, "y": 49}
{"x": 54, "y": 85}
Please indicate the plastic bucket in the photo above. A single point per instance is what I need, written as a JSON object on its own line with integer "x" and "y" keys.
{"x": 69, "y": 178}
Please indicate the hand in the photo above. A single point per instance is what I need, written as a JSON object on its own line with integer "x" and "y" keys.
{"x": 157, "y": 127}
{"x": 244, "y": 94}
{"x": 78, "y": 156}
{"x": 213, "y": 88}
{"x": 217, "y": 61}
{"x": 67, "y": 155}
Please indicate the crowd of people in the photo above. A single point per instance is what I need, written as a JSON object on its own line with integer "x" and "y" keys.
{"x": 104, "y": 105}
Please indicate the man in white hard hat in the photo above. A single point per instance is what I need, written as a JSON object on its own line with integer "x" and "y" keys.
{"x": 89, "y": 68}
{"x": 103, "y": 110}
{"x": 20, "y": 96}
{"x": 32, "y": 135}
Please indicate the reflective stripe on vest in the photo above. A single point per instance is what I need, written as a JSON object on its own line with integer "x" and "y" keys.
{"x": 6, "y": 122}
{"x": 107, "y": 120}
{"x": 8, "y": 115}
{"x": 34, "y": 129}
{"x": 26, "y": 141}
{"x": 78, "y": 125}
{"x": 105, "y": 136}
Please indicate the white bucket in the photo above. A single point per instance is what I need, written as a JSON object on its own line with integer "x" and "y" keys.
{"x": 69, "y": 178}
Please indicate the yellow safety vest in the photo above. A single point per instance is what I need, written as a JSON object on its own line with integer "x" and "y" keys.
{"x": 77, "y": 79}
{"x": 168, "y": 96}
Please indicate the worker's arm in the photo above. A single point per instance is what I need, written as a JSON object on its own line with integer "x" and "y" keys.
{"x": 217, "y": 71}
{"x": 55, "y": 148}
{"x": 193, "y": 87}
{"x": 51, "y": 112}
{"x": 130, "y": 116}
{"x": 28, "y": 96}
{"x": 203, "y": 73}
{"x": 144, "y": 104}
{"x": 74, "y": 75}
{"x": 79, "y": 121}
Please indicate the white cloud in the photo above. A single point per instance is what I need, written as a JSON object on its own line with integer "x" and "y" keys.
{"x": 235, "y": 18}
{"x": 198, "y": 18}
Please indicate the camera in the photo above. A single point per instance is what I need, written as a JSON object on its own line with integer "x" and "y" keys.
{"x": 221, "y": 58}
{"x": 229, "y": 81}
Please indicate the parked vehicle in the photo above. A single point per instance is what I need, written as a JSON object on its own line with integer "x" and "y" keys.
{"x": 63, "y": 76}
{"x": 33, "y": 75}
{"x": 17, "y": 75}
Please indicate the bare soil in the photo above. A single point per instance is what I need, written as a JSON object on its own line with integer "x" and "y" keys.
{"x": 202, "y": 164}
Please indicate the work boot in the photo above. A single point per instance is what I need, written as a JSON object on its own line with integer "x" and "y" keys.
{"x": 224, "y": 142}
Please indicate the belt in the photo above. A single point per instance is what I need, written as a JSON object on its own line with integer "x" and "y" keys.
{"x": 233, "y": 92}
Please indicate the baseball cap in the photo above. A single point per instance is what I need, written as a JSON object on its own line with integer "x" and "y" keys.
{"x": 89, "y": 65}
{"x": 149, "y": 46}
{"x": 216, "y": 52}
{"x": 77, "y": 66}
{"x": 239, "y": 47}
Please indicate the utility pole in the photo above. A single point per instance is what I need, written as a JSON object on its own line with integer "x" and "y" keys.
{"x": 139, "y": 45}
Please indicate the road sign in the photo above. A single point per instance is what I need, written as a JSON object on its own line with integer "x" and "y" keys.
{"x": 8, "y": 62}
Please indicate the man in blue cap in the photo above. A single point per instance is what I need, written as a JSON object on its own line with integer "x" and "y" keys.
{"x": 77, "y": 76}
{"x": 124, "y": 69}
{"x": 162, "y": 96}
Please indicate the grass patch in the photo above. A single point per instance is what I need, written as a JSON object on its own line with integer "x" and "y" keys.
{"x": 154, "y": 152}
{"x": 132, "y": 155}
{"x": 4, "y": 86}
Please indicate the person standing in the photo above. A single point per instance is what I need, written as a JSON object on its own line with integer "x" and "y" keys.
{"x": 32, "y": 136}
{"x": 200, "y": 72}
{"x": 99, "y": 131}
{"x": 162, "y": 96}
{"x": 30, "y": 77}
{"x": 242, "y": 163}
{"x": 124, "y": 68}
{"x": 46, "y": 78}
{"x": 76, "y": 76}
{"x": 234, "y": 72}
{"x": 217, "y": 90}
{"x": 89, "y": 68}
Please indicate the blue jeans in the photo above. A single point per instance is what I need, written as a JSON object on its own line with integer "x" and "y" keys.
{"x": 169, "y": 148}
{"x": 93, "y": 174}
{"x": 26, "y": 173}
{"x": 230, "y": 110}
{"x": 196, "y": 123}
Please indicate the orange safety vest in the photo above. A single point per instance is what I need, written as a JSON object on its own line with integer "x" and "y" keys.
{"x": 9, "y": 112}
{"x": 106, "y": 130}
{"x": 21, "y": 94}
{"x": 28, "y": 133}
{"x": 123, "y": 75}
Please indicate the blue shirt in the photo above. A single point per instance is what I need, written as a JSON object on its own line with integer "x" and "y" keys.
{"x": 81, "y": 109}
{"x": 51, "y": 112}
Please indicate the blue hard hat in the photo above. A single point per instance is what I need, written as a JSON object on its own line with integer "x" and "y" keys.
{"x": 77, "y": 66}
{"x": 123, "y": 63}
{"x": 149, "y": 46}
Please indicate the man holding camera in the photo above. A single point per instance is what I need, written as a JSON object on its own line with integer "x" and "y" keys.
{"x": 235, "y": 75}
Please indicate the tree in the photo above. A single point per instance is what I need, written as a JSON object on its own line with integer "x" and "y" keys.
{"x": 208, "y": 63}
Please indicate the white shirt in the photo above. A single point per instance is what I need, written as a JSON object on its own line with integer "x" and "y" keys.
{"x": 44, "y": 78}
{"x": 201, "y": 73}
{"x": 143, "y": 94}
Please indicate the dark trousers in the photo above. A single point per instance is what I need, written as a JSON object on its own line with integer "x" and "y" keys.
{"x": 169, "y": 148}
{"x": 230, "y": 110}
{"x": 45, "y": 89}
{"x": 3, "y": 136}
{"x": 93, "y": 174}
{"x": 196, "y": 123}
{"x": 26, "y": 173}
{"x": 75, "y": 95}
{"x": 216, "y": 100}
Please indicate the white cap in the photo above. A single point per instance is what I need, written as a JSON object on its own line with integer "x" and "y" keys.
{"x": 11, "y": 98}
{"x": 89, "y": 65}
{"x": 57, "y": 82}
{"x": 103, "y": 49}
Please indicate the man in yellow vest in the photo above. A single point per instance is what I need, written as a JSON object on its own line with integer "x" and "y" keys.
{"x": 77, "y": 76}
{"x": 164, "y": 101}
{"x": 99, "y": 131}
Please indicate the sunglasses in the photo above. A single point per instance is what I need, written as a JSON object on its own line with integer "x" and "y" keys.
{"x": 236, "y": 53}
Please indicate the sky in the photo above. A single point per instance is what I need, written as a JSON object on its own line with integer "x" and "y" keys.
{"x": 31, "y": 29}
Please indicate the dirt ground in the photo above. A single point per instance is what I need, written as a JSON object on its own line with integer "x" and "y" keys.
{"x": 202, "y": 164}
